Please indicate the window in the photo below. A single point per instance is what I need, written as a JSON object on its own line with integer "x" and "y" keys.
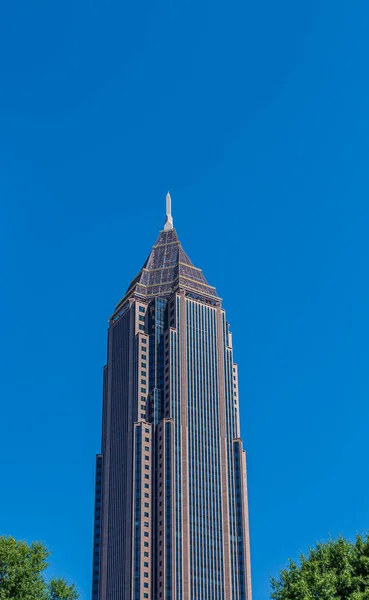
{"x": 143, "y": 407}
{"x": 143, "y": 382}
{"x": 147, "y": 439}
{"x": 146, "y": 505}
{"x": 143, "y": 356}
{"x": 141, "y": 308}
{"x": 146, "y": 554}
{"x": 146, "y": 514}
{"x": 141, "y": 318}
{"x": 146, "y": 534}
{"x": 143, "y": 391}
{"x": 141, "y": 327}
{"x": 143, "y": 373}
{"x": 143, "y": 416}
{"x": 146, "y": 495}
{"x": 144, "y": 340}
{"x": 146, "y": 564}
{"x": 147, "y": 449}
{"x": 147, "y": 430}
{"x": 147, "y": 486}
{"x": 146, "y": 544}
{"x": 147, "y": 476}
{"x": 143, "y": 366}
{"x": 147, "y": 457}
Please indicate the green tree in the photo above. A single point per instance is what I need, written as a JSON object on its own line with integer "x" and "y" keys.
{"x": 22, "y": 577}
{"x": 335, "y": 570}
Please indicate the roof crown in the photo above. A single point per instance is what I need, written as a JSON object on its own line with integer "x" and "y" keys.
{"x": 168, "y": 268}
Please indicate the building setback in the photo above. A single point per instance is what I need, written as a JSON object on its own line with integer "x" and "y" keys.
{"x": 171, "y": 510}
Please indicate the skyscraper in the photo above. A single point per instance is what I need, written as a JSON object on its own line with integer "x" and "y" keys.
{"x": 171, "y": 510}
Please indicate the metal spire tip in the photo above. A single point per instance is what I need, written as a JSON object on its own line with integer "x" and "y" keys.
{"x": 168, "y": 218}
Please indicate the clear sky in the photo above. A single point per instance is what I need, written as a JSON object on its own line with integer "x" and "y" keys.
{"x": 255, "y": 116}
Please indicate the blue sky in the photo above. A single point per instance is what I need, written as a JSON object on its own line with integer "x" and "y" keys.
{"x": 255, "y": 116}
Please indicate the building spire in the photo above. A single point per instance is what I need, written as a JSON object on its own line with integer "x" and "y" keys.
{"x": 168, "y": 219}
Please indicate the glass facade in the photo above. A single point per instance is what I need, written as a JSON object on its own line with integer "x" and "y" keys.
{"x": 205, "y": 501}
{"x": 171, "y": 517}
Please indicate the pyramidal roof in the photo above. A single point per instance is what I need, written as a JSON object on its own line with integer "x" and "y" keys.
{"x": 168, "y": 268}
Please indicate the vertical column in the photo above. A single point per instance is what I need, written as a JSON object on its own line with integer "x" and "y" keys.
{"x": 223, "y": 457}
{"x": 106, "y": 435}
{"x": 235, "y": 399}
{"x": 142, "y": 515}
{"x": 165, "y": 511}
{"x": 128, "y": 440}
{"x": 184, "y": 451}
{"x": 97, "y": 530}
{"x": 246, "y": 530}
{"x": 243, "y": 537}
{"x": 174, "y": 360}
{"x": 142, "y": 377}
{"x": 120, "y": 408}
{"x": 231, "y": 428}
{"x": 168, "y": 411}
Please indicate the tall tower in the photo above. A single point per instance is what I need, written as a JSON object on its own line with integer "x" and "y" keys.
{"x": 171, "y": 510}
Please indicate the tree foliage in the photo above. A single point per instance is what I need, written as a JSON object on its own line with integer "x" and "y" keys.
{"x": 335, "y": 570}
{"x": 22, "y": 568}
